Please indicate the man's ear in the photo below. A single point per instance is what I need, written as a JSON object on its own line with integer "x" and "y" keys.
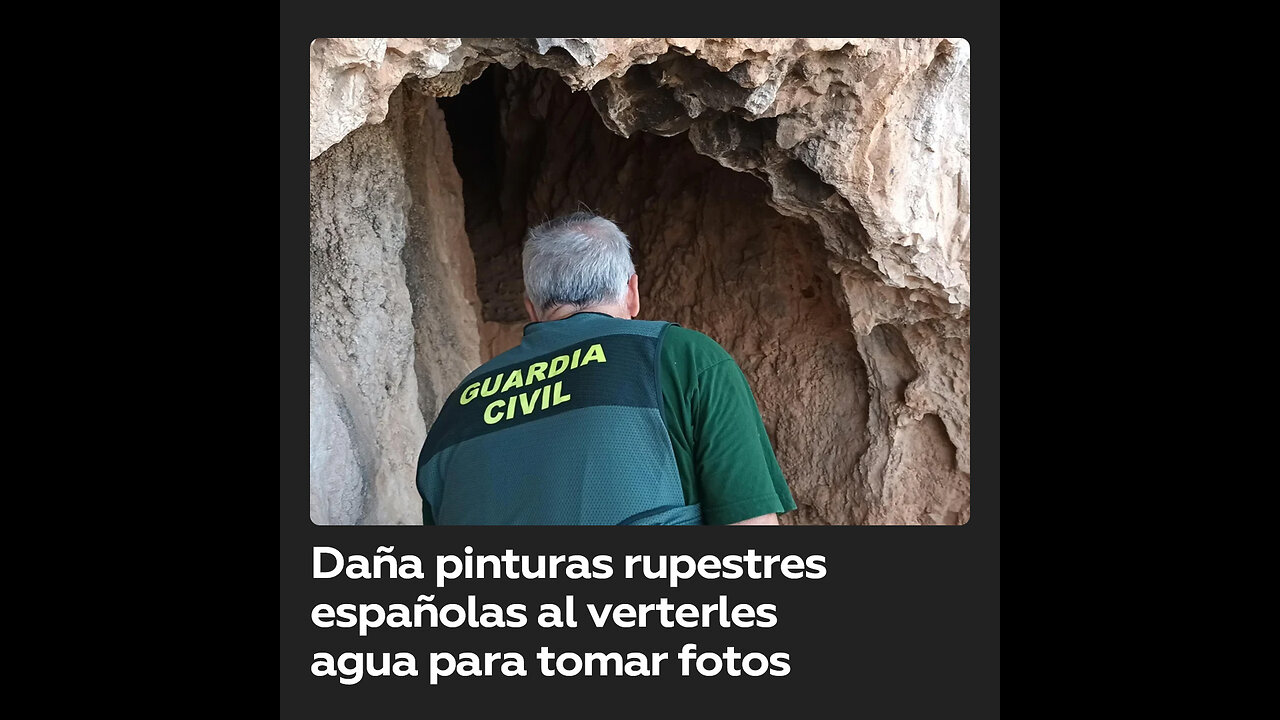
{"x": 633, "y": 295}
{"x": 528, "y": 307}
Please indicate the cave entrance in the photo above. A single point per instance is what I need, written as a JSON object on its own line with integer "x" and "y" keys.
{"x": 495, "y": 170}
{"x": 710, "y": 252}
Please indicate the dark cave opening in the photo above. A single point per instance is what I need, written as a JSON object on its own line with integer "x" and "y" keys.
{"x": 472, "y": 119}
{"x": 710, "y": 252}
{"x": 495, "y": 173}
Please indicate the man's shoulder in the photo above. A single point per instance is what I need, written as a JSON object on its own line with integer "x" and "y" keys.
{"x": 692, "y": 350}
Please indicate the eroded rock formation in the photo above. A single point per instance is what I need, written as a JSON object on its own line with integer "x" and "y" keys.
{"x": 393, "y": 311}
{"x": 804, "y": 202}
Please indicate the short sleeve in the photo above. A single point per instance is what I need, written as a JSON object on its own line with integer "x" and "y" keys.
{"x": 736, "y": 472}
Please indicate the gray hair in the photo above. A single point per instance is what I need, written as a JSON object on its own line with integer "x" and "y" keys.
{"x": 580, "y": 259}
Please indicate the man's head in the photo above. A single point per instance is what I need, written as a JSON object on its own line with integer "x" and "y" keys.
{"x": 578, "y": 262}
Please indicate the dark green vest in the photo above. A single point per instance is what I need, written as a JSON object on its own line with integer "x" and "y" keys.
{"x": 565, "y": 429}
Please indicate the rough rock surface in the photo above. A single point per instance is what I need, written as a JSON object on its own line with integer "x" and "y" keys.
{"x": 840, "y": 283}
{"x": 393, "y": 328}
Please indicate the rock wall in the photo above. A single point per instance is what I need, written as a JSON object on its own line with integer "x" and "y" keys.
{"x": 393, "y": 317}
{"x": 834, "y": 264}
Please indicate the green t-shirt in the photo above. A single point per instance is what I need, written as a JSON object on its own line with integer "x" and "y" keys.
{"x": 722, "y": 450}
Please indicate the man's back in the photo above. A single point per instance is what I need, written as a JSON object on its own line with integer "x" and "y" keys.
{"x": 564, "y": 429}
{"x": 601, "y": 420}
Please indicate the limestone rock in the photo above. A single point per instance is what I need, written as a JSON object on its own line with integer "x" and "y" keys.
{"x": 353, "y": 78}
{"x": 377, "y": 325}
{"x": 840, "y": 282}
{"x": 337, "y": 489}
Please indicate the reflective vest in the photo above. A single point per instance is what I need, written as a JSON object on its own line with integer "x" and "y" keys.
{"x": 565, "y": 429}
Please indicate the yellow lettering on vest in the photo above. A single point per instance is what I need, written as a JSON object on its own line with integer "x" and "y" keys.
{"x": 486, "y": 390}
{"x": 529, "y": 403}
{"x": 595, "y": 352}
{"x": 470, "y": 393}
{"x": 534, "y": 373}
{"x": 495, "y": 404}
{"x": 574, "y": 364}
{"x": 560, "y": 398}
{"x": 511, "y": 407}
{"x": 546, "y": 398}
{"x": 514, "y": 381}
{"x": 558, "y": 364}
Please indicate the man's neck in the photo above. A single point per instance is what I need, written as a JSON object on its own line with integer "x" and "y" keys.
{"x": 563, "y": 311}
